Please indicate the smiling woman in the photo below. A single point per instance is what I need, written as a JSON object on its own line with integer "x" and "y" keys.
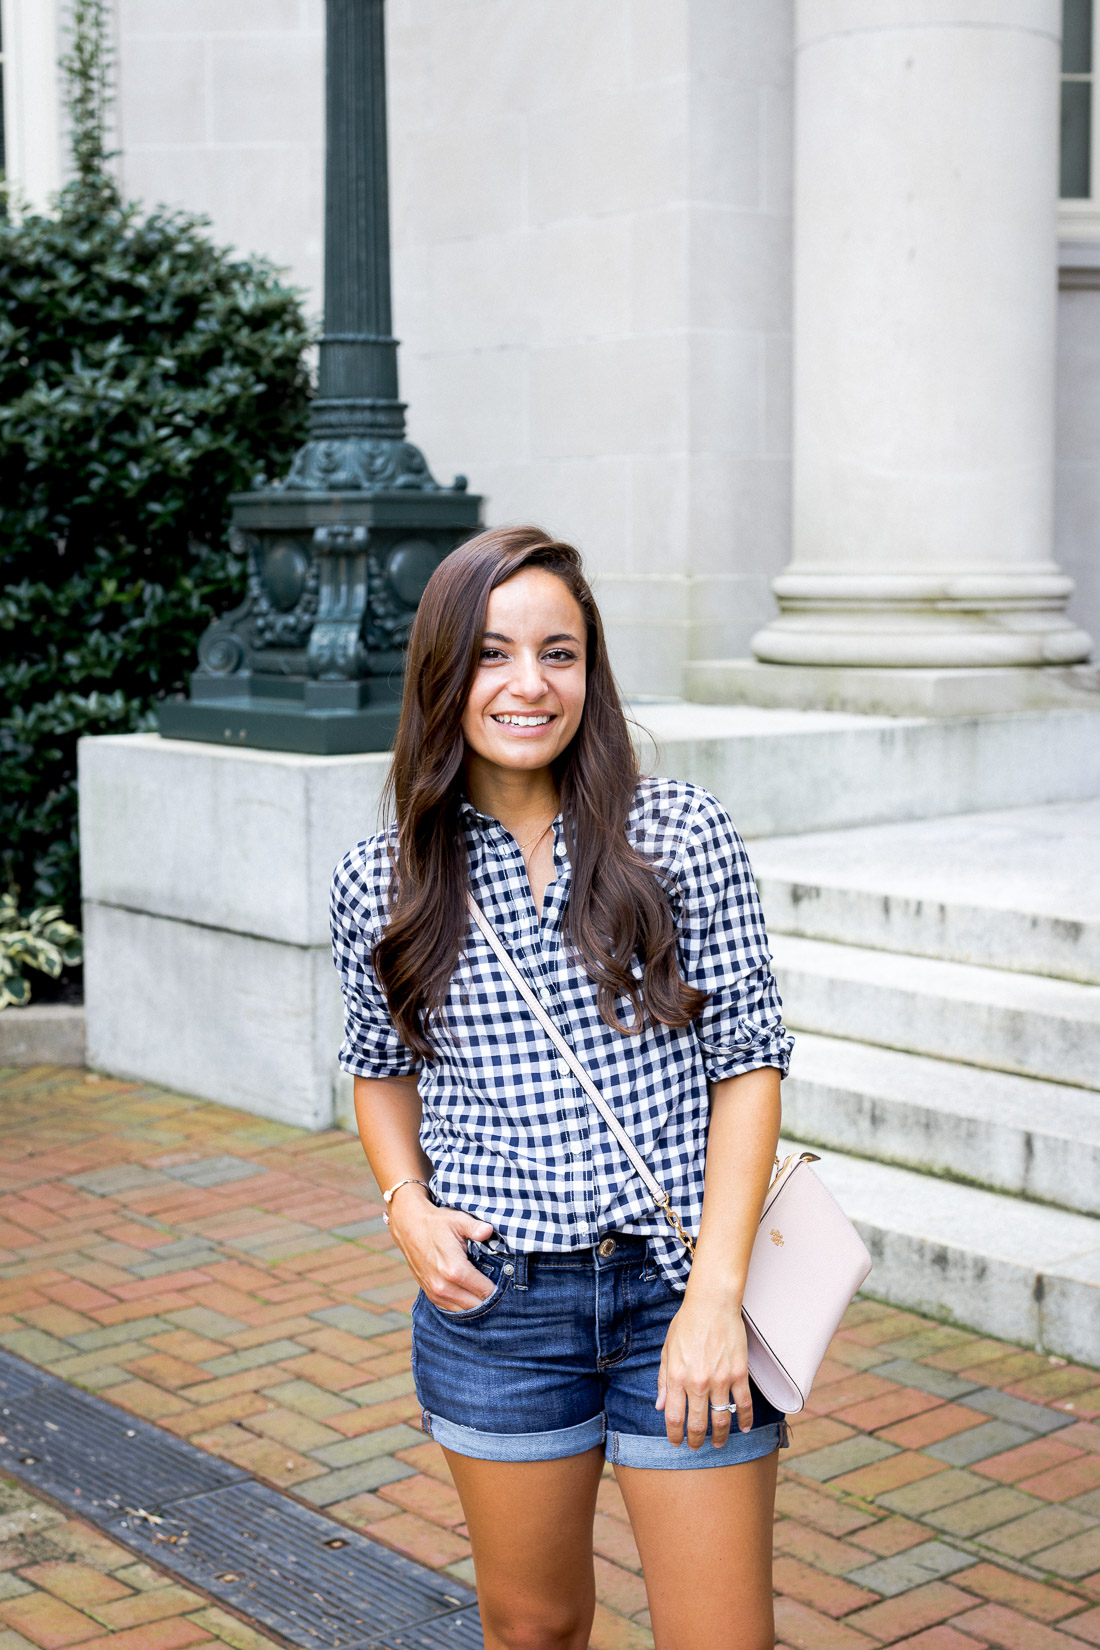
{"x": 524, "y": 707}
{"x": 558, "y": 1323}
{"x": 456, "y": 743}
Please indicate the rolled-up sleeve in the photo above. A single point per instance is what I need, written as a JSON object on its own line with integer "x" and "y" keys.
{"x": 371, "y": 1046}
{"x": 724, "y": 950}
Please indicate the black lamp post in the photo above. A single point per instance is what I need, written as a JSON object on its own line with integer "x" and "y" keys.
{"x": 339, "y": 553}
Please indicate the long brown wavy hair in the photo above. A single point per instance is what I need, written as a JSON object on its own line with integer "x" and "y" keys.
{"x": 618, "y": 910}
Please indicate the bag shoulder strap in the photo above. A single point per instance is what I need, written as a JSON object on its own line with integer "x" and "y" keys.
{"x": 519, "y": 980}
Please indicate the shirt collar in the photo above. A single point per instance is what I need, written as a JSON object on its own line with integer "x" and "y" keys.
{"x": 485, "y": 826}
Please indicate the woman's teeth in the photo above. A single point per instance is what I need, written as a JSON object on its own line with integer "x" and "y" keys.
{"x": 523, "y": 721}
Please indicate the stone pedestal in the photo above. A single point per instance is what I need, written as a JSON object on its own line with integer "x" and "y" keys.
{"x": 206, "y": 870}
{"x": 924, "y": 322}
{"x": 205, "y": 875}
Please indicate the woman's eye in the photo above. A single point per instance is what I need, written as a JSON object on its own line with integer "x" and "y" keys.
{"x": 489, "y": 654}
{"x": 560, "y": 655}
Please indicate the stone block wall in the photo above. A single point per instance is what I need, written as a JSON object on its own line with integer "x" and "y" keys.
{"x": 592, "y": 261}
{"x": 591, "y": 229}
{"x": 600, "y": 332}
{"x": 221, "y": 109}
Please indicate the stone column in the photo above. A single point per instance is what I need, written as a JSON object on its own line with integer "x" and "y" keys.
{"x": 925, "y": 291}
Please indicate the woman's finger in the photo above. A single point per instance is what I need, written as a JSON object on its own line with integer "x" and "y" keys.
{"x": 720, "y": 1418}
{"x": 468, "y": 1226}
{"x": 698, "y": 1418}
{"x": 742, "y": 1397}
{"x": 460, "y": 1283}
{"x": 675, "y": 1410}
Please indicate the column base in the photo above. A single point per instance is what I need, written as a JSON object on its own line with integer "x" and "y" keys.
{"x": 895, "y": 621}
{"x": 871, "y": 691}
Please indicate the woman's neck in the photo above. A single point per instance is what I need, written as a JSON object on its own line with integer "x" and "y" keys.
{"x": 521, "y": 799}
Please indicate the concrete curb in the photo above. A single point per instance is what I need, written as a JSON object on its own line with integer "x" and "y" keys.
{"x": 43, "y": 1034}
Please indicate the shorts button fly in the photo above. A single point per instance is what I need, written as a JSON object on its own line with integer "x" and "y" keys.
{"x": 607, "y": 1247}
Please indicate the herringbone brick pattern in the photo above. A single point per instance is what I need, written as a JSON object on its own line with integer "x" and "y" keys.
{"x": 231, "y": 1280}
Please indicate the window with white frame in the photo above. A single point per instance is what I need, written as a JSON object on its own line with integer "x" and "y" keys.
{"x": 1077, "y": 78}
{"x": 1079, "y": 160}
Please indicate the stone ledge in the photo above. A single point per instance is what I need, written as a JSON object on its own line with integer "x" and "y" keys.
{"x": 875, "y": 691}
{"x": 43, "y": 1034}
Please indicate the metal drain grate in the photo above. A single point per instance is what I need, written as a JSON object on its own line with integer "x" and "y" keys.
{"x": 17, "y": 1379}
{"x": 462, "y": 1631}
{"x": 266, "y": 1555}
{"x": 85, "y": 1452}
{"x": 247, "y": 1545}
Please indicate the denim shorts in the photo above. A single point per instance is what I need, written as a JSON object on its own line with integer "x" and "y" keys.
{"x": 560, "y": 1358}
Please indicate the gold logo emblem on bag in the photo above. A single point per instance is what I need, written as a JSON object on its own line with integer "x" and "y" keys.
{"x": 776, "y": 1236}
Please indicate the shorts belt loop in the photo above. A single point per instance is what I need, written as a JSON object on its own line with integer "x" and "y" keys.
{"x": 520, "y": 1279}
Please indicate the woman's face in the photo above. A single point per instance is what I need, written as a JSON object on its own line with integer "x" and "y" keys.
{"x": 527, "y": 698}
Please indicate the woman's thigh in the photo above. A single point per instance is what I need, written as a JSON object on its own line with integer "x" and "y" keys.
{"x": 530, "y": 1526}
{"x": 705, "y": 1541}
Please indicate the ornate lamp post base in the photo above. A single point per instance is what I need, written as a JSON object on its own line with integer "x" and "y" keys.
{"x": 312, "y": 659}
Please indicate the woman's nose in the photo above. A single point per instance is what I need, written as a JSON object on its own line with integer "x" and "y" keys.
{"x": 528, "y": 681}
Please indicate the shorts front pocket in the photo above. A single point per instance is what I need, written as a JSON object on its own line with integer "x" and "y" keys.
{"x": 472, "y": 1312}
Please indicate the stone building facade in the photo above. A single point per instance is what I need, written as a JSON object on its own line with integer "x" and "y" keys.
{"x": 605, "y": 234}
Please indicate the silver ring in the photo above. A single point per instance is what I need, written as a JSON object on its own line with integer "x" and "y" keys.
{"x": 726, "y": 1409}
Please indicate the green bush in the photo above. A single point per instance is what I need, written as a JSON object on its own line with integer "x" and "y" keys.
{"x": 145, "y": 374}
{"x": 39, "y": 940}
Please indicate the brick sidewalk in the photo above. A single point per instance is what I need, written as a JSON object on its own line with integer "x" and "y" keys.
{"x": 231, "y": 1280}
{"x": 64, "y": 1583}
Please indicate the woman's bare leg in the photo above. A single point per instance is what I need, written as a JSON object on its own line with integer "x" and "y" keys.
{"x": 530, "y": 1526}
{"x": 705, "y": 1541}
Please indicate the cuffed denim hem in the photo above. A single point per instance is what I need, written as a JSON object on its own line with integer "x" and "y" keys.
{"x": 632, "y": 1449}
{"x": 516, "y": 1446}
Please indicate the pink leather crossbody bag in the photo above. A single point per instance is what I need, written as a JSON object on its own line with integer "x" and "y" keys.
{"x": 807, "y": 1260}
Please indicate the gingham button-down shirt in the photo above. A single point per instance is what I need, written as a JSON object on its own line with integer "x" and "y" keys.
{"x": 510, "y": 1134}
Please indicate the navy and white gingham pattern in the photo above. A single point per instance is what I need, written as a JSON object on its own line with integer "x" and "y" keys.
{"x": 512, "y": 1138}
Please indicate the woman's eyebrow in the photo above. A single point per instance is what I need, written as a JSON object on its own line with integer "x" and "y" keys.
{"x": 559, "y": 636}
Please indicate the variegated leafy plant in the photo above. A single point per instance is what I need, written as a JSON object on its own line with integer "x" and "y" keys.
{"x": 39, "y": 939}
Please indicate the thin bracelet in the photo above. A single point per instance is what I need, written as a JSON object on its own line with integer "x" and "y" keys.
{"x": 410, "y": 1180}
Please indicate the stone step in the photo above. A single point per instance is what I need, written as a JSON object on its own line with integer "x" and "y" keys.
{"x": 1012, "y": 1134}
{"x": 801, "y": 770}
{"x": 1017, "y": 888}
{"x": 1024, "y": 1023}
{"x": 1009, "y": 1268}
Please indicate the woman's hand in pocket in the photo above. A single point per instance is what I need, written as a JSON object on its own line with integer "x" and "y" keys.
{"x": 433, "y": 1241}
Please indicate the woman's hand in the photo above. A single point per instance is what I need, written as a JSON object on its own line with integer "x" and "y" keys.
{"x": 433, "y": 1241}
{"x": 705, "y": 1358}
{"x": 704, "y": 1361}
